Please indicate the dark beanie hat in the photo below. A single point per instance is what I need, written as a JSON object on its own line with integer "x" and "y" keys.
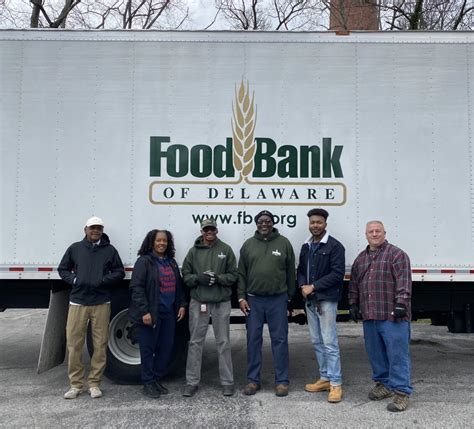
{"x": 318, "y": 212}
{"x": 263, "y": 213}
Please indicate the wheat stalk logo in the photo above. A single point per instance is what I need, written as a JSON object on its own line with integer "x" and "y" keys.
{"x": 243, "y": 127}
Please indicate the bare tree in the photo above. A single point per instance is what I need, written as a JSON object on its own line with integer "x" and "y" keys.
{"x": 244, "y": 14}
{"x": 131, "y": 14}
{"x": 94, "y": 14}
{"x": 297, "y": 14}
{"x": 272, "y": 14}
{"x": 44, "y": 16}
{"x": 427, "y": 15}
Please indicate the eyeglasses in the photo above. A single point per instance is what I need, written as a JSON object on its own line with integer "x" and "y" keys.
{"x": 209, "y": 228}
{"x": 264, "y": 222}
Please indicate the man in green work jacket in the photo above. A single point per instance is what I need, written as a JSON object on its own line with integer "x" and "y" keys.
{"x": 266, "y": 284}
{"x": 210, "y": 271}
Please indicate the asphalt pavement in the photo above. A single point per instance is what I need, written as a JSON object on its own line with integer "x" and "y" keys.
{"x": 443, "y": 374}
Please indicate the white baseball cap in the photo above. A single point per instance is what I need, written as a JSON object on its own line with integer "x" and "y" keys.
{"x": 94, "y": 220}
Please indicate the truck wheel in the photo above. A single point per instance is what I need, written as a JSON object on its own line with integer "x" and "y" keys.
{"x": 439, "y": 320}
{"x": 123, "y": 355}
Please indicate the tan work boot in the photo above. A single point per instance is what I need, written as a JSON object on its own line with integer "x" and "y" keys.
{"x": 281, "y": 390}
{"x": 318, "y": 386}
{"x": 335, "y": 394}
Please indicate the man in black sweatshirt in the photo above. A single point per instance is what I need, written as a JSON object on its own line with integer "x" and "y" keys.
{"x": 91, "y": 267}
{"x": 266, "y": 284}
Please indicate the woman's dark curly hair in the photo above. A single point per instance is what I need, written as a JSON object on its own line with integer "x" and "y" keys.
{"x": 149, "y": 241}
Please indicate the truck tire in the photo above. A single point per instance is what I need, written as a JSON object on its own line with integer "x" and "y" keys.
{"x": 123, "y": 354}
{"x": 439, "y": 320}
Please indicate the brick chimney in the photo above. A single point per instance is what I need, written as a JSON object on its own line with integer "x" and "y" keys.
{"x": 347, "y": 15}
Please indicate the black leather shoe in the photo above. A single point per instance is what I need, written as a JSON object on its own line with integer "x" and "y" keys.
{"x": 150, "y": 390}
{"x": 189, "y": 390}
{"x": 162, "y": 389}
{"x": 228, "y": 390}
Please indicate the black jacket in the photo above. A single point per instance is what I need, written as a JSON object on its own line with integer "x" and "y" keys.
{"x": 145, "y": 289}
{"x": 91, "y": 271}
{"x": 329, "y": 270}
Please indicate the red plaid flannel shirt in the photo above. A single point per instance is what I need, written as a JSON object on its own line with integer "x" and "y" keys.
{"x": 379, "y": 280}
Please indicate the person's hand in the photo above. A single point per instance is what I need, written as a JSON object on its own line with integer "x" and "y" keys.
{"x": 181, "y": 313}
{"x": 147, "y": 320}
{"x": 205, "y": 279}
{"x": 354, "y": 313}
{"x": 289, "y": 307}
{"x": 400, "y": 311}
{"x": 307, "y": 290}
{"x": 244, "y": 307}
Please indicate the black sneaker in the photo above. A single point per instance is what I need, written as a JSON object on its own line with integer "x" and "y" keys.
{"x": 189, "y": 390}
{"x": 150, "y": 390}
{"x": 228, "y": 390}
{"x": 162, "y": 389}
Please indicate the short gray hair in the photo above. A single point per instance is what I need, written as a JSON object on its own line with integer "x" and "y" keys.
{"x": 375, "y": 221}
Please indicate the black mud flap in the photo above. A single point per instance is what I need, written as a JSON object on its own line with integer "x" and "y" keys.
{"x": 53, "y": 345}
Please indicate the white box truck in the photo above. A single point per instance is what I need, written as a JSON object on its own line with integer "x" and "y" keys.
{"x": 161, "y": 129}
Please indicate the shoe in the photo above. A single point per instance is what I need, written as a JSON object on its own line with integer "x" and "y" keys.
{"x": 95, "y": 392}
{"x": 162, "y": 389}
{"x": 318, "y": 386}
{"x": 151, "y": 390}
{"x": 228, "y": 390}
{"x": 399, "y": 403}
{"x": 251, "y": 389}
{"x": 190, "y": 390}
{"x": 72, "y": 393}
{"x": 335, "y": 394}
{"x": 281, "y": 390}
{"x": 379, "y": 392}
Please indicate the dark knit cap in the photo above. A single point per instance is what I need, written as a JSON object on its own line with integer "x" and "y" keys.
{"x": 318, "y": 212}
{"x": 264, "y": 213}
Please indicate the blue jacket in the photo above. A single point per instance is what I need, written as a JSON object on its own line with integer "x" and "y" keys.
{"x": 328, "y": 267}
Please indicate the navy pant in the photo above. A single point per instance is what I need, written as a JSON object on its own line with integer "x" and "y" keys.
{"x": 156, "y": 345}
{"x": 274, "y": 310}
{"x": 388, "y": 347}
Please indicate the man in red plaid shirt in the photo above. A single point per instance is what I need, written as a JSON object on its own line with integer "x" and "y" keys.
{"x": 380, "y": 295}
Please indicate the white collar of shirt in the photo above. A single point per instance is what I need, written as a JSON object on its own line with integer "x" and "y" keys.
{"x": 323, "y": 240}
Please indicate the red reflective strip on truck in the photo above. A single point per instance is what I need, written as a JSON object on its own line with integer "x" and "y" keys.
{"x": 16, "y": 269}
{"x": 45, "y": 269}
{"x": 448, "y": 271}
{"x": 128, "y": 269}
{"x": 419, "y": 271}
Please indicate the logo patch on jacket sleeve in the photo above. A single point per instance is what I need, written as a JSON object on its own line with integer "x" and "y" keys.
{"x": 276, "y": 252}
{"x": 221, "y": 256}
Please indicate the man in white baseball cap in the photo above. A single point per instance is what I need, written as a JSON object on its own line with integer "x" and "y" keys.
{"x": 91, "y": 267}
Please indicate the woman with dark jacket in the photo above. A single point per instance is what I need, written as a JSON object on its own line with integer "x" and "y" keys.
{"x": 157, "y": 302}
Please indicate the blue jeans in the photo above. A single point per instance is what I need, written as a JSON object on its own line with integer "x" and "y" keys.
{"x": 156, "y": 346}
{"x": 388, "y": 347}
{"x": 274, "y": 310}
{"x": 323, "y": 334}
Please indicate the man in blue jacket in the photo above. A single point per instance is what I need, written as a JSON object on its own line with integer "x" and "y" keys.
{"x": 91, "y": 267}
{"x": 320, "y": 278}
